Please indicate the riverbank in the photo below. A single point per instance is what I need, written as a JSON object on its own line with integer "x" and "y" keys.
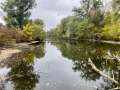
{"x": 92, "y": 40}
{"x": 6, "y": 52}
{"x": 26, "y": 44}
{"x": 104, "y": 41}
{"x": 19, "y": 47}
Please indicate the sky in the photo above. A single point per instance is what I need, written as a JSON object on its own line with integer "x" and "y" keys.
{"x": 51, "y": 11}
{"x": 1, "y": 14}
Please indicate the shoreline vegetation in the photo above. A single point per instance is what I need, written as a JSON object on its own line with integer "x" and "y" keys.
{"x": 102, "y": 41}
{"x": 19, "y": 28}
{"x": 91, "y": 20}
{"x": 90, "y": 40}
{"x": 7, "y": 52}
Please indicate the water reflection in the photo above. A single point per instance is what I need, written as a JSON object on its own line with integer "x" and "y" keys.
{"x": 23, "y": 77}
{"x": 62, "y": 65}
{"x": 99, "y": 54}
{"x": 39, "y": 51}
{"x": 21, "y": 69}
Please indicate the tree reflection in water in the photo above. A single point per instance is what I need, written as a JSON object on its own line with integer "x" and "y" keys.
{"x": 22, "y": 73}
{"x": 39, "y": 51}
{"x": 23, "y": 76}
{"x": 80, "y": 52}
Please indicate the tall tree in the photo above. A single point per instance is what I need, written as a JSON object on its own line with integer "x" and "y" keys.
{"x": 17, "y": 11}
{"x": 83, "y": 10}
{"x": 91, "y": 10}
{"x": 116, "y": 8}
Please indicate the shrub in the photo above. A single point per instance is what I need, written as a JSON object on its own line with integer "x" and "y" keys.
{"x": 27, "y": 32}
{"x": 8, "y": 36}
{"x": 6, "y": 39}
{"x": 38, "y": 33}
{"x": 111, "y": 31}
{"x": 33, "y": 31}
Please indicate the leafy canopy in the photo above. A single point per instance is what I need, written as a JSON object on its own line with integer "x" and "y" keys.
{"x": 17, "y": 12}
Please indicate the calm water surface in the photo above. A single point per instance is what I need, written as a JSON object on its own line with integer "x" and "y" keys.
{"x": 61, "y": 65}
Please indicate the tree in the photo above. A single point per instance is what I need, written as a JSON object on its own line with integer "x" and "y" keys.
{"x": 116, "y": 8}
{"x": 17, "y": 12}
{"x": 38, "y": 30}
{"x": 39, "y": 22}
{"x": 83, "y": 11}
{"x": 91, "y": 10}
{"x": 27, "y": 31}
{"x": 92, "y": 18}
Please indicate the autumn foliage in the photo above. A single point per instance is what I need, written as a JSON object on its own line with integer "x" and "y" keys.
{"x": 11, "y": 34}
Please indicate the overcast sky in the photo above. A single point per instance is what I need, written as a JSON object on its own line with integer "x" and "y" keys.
{"x": 52, "y": 11}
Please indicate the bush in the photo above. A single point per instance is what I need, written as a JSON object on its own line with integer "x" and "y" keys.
{"x": 38, "y": 33}
{"x": 27, "y": 32}
{"x": 6, "y": 40}
{"x": 9, "y": 36}
{"x": 111, "y": 31}
{"x": 34, "y": 31}
{"x": 31, "y": 31}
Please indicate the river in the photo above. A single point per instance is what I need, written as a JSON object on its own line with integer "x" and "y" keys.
{"x": 61, "y": 65}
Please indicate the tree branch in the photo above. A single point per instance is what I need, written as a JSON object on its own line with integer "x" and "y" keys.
{"x": 101, "y": 73}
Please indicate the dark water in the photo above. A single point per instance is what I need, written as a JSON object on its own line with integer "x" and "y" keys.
{"x": 61, "y": 65}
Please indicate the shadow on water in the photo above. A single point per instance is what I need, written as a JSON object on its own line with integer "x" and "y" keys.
{"x": 64, "y": 64}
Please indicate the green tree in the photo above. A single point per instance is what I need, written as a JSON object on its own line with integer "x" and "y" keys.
{"x": 17, "y": 12}
{"x": 38, "y": 30}
{"x": 92, "y": 18}
{"x": 39, "y": 22}
{"x": 91, "y": 10}
{"x": 116, "y": 7}
{"x": 83, "y": 10}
